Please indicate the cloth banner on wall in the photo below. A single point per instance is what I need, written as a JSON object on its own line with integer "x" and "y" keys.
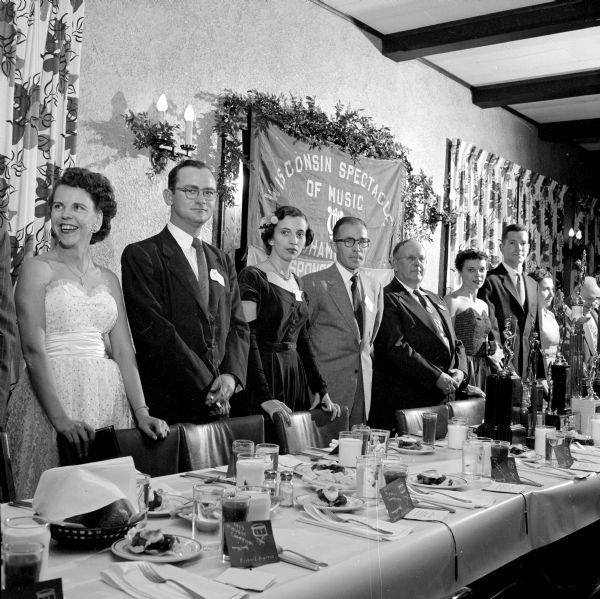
{"x": 326, "y": 184}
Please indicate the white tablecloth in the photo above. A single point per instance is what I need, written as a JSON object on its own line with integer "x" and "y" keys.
{"x": 420, "y": 564}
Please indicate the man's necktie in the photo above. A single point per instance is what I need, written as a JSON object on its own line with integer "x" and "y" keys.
{"x": 202, "y": 271}
{"x": 422, "y": 300}
{"x": 520, "y": 285}
{"x": 356, "y": 300}
{"x": 434, "y": 316}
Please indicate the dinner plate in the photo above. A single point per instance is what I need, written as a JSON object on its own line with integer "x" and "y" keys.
{"x": 450, "y": 483}
{"x": 174, "y": 502}
{"x": 354, "y": 503}
{"x": 322, "y": 479}
{"x": 422, "y": 451}
{"x": 187, "y": 549}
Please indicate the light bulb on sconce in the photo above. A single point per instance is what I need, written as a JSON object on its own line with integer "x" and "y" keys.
{"x": 162, "y": 106}
{"x": 571, "y": 232}
{"x": 578, "y": 235}
{"x": 187, "y": 147}
{"x": 188, "y": 117}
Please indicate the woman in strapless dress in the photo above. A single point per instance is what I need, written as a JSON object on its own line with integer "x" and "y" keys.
{"x": 70, "y": 312}
{"x": 471, "y": 318}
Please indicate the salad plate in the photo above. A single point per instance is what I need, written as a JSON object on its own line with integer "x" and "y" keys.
{"x": 450, "y": 483}
{"x": 326, "y": 474}
{"x": 184, "y": 549}
{"x": 352, "y": 504}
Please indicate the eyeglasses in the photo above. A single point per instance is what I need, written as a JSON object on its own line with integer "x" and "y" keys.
{"x": 192, "y": 193}
{"x": 413, "y": 259}
{"x": 350, "y": 241}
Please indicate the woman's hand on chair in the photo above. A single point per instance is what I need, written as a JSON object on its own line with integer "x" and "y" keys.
{"x": 327, "y": 405}
{"x": 78, "y": 432}
{"x": 271, "y": 406}
{"x": 155, "y": 428}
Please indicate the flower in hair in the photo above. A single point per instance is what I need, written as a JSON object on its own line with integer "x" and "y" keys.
{"x": 266, "y": 221}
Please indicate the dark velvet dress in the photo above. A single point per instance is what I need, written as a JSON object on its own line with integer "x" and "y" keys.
{"x": 474, "y": 330}
{"x": 281, "y": 364}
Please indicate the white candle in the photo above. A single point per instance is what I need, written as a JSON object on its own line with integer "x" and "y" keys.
{"x": 188, "y": 117}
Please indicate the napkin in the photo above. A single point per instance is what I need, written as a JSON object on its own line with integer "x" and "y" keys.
{"x": 72, "y": 490}
{"x": 250, "y": 580}
{"x": 127, "y": 577}
{"x": 398, "y": 530}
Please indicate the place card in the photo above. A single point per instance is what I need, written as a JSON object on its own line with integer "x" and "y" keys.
{"x": 50, "y": 589}
{"x": 505, "y": 470}
{"x": 397, "y": 499}
{"x": 250, "y": 544}
{"x": 563, "y": 456}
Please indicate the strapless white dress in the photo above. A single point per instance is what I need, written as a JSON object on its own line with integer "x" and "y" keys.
{"x": 88, "y": 382}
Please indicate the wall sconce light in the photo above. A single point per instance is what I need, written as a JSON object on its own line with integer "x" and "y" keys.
{"x": 159, "y": 136}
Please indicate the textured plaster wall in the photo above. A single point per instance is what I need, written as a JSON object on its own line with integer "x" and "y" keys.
{"x": 194, "y": 49}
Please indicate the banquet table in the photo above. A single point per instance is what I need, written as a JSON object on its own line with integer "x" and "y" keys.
{"x": 420, "y": 565}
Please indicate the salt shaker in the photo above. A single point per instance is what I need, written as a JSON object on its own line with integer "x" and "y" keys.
{"x": 271, "y": 480}
{"x": 286, "y": 488}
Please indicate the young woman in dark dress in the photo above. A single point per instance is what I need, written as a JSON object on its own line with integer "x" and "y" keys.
{"x": 282, "y": 373}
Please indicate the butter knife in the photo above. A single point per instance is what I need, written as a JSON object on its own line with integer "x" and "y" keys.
{"x": 296, "y": 561}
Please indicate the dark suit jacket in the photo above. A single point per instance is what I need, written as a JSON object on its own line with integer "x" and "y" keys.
{"x": 410, "y": 355}
{"x": 180, "y": 347}
{"x": 8, "y": 319}
{"x": 500, "y": 294}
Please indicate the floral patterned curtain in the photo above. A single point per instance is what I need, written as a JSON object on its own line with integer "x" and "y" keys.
{"x": 488, "y": 192}
{"x": 39, "y": 84}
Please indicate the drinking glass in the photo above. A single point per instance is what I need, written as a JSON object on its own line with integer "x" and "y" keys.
{"x": 429, "y": 426}
{"x": 365, "y": 432}
{"x": 270, "y": 451}
{"x": 486, "y": 469}
{"x": 457, "y": 432}
{"x": 393, "y": 468}
{"x": 22, "y": 564}
{"x": 553, "y": 439}
{"x": 378, "y": 441}
{"x": 500, "y": 450}
{"x": 235, "y": 509}
{"x": 368, "y": 476}
{"x": 350, "y": 444}
{"x": 541, "y": 430}
{"x": 250, "y": 469}
{"x": 142, "y": 485}
{"x": 238, "y": 446}
{"x": 29, "y": 529}
{"x": 595, "y": 430}
{"x": 260, "y": 502}
{"x": 472, "y": 458}
{"x": 206, "y": 517}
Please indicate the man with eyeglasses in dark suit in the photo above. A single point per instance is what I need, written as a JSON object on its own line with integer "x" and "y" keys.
{"x": 345, "y": 308}
{"x": 184, "y": 308}
{"x": 419, "y": 362}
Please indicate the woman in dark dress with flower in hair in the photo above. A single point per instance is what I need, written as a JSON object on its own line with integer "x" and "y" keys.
{"x": 471, "y": 319}
{"x": 282, "y": 372}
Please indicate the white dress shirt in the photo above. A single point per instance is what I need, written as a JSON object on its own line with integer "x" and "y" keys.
{"x": 184, "y": 241}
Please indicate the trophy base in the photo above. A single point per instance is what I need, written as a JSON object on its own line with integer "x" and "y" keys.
{"x": 515, "y": 433}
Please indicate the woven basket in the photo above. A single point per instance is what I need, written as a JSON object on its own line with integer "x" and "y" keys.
{"x": 87, "y": 538}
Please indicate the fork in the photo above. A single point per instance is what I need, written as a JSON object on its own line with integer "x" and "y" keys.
{"x": 153, "y": 576}
{"x": 328, "y": 515}
{"x": 422, "y": 491}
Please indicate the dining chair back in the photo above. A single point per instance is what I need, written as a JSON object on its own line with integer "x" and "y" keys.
{"x": 410, "y": 420}
{"x": 209, "y": 445}
{"x": 308, "y": 429}
{"x": 472, "y": 409}
{"x": 156, "y": 458}
{"x": 7, "y": 483}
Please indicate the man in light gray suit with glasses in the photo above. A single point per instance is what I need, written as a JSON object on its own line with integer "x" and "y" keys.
{"x": 345, "y": 309}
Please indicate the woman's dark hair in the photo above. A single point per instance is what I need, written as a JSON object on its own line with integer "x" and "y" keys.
{"x": 539, "y": 274}
{"x": 100, "y": 190}
{"x": 267, "y": 230}
{"x": 470, "y": 254}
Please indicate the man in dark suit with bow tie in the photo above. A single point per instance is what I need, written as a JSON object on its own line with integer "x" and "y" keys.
{"x": 184, "y": 308}
{"x": 510, "y": 294}
{"x": 419, "y": 361}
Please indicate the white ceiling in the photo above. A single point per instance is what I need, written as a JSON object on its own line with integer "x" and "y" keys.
{"x": 549, "y": 55}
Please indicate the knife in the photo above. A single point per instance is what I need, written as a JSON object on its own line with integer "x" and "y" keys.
{"x": 296, "y": 561}
{"x": 208, "y": 478}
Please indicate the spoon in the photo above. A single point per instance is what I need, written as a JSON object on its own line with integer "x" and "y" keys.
{"x": 280, "y": 549}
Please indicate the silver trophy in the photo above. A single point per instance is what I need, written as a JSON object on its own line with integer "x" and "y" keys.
{"x": 509, "y": 334}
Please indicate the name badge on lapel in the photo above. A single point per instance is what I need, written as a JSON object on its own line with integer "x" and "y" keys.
{"x": 369, "y": 304}
{"x": 215, "y": 275}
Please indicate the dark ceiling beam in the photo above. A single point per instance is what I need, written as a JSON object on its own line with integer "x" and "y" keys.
{"x": 537, "y": 90}
{"x": 581, "y": 131}
{"x": 494, "y": 28}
